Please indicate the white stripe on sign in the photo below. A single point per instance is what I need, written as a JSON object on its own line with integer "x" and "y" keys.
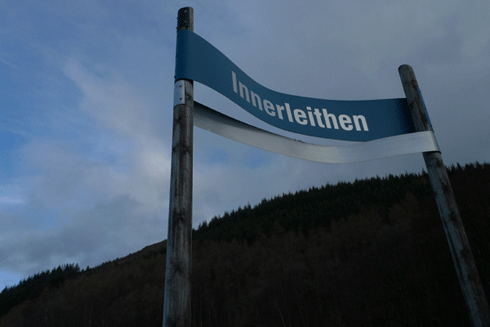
{"x": 213, "y": 121}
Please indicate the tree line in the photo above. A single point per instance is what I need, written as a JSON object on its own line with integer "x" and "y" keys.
{"x": 364, "y": 253}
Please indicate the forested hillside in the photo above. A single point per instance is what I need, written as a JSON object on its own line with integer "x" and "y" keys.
{"x": 367, "y": 253}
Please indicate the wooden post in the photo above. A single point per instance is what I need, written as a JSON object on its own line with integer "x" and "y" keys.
{"x": 177, "y": 302}
{"x": 464, "y": 263}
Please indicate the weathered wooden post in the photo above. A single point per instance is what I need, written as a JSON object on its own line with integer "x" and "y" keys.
{"x": 463, "y": 260}
{"x": 177, "y": 302}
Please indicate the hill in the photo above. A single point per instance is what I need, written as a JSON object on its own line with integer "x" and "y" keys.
{"x": 367, "y": 253}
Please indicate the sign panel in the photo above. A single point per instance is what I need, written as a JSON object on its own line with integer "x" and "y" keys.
{"x": 365, "y": 120}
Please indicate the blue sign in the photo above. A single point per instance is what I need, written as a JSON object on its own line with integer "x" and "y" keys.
{"x": 366, "y": 120}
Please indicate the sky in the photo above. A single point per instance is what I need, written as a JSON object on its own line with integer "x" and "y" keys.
{"x": 86, "y": 97}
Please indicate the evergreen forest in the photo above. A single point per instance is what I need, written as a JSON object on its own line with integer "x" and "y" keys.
{"x": 365, "y": 253}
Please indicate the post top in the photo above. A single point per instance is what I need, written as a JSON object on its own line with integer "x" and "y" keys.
{"x": 185, "y": 19}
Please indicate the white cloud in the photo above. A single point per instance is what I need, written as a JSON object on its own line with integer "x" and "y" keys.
{"x": 10, "y": 200}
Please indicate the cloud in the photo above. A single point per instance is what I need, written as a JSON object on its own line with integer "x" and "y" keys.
{"x": 8, "y": 63}
{"x": 10, "y": 200}
{"x": 100, "y": 195}
{"x": 108, "y": 230}
{"x": 109, "y": 101}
